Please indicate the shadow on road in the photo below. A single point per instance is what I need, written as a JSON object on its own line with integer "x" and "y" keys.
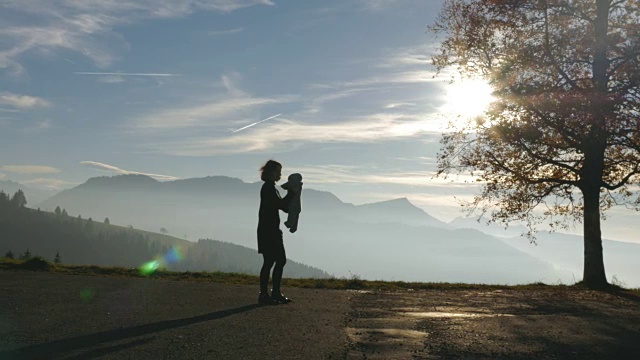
{"x": 60, "y": 347}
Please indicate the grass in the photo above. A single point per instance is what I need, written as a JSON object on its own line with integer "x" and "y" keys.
{"x": 352, "y": 283}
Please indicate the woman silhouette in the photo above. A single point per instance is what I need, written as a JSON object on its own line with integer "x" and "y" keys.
{"x": 270, "y": 240}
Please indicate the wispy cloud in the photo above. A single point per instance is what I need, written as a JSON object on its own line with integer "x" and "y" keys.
{"x": 399, "y": 105}
{"x": 126, "y": 74}
{"x": 310, "y": 118}
{"x": 406, "y": 56}
{"x": 21, "y": 101}
{"x": 287, "y": 134}
{"x": 117, "y": 170}
{"x": 390, "y": 78}
{"x": 369, "y": 115}
{"x": 39, "y": 126}
{"x": 216, "y": 113}
{"x": 29, "y": 169}
{"x": 50, "y": 184}
{"x": 225, "y": 32}
{"x": 111, "y": 79}
{"x": 223, "y": 111}
{"x": 316, "y": 103}
{"x": 378, "y": 5}
{"x": 341, "y": 174}
{"x": 88, "y": 27}
{"x": 120, "y": 77}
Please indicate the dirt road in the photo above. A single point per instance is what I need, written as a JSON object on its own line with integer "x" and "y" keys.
{"x": 57, "y": 316}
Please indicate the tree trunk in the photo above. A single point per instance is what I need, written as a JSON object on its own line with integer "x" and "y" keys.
{"x": 594, "y": 149}
{"x": 593, "y": 275}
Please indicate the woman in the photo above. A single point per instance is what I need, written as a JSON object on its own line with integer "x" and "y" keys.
{"x": 270, "y": 241}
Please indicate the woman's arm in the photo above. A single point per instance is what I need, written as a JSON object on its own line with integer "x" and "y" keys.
{"x": 272, "y": 198}
{"x": 285, "y": 201}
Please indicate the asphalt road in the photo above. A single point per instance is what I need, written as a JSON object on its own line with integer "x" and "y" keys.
{"x": 58, "y": 316}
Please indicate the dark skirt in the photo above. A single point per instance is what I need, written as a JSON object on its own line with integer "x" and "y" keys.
{"x": 269, "y": 241}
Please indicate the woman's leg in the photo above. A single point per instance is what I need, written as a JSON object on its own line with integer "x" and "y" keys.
{"x": 280, "y": 260}
{"x": 264, "y": 273}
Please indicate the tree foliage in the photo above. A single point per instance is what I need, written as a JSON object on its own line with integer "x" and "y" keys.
{"x": 19, "y": 199}
{"x": 562, "y": 141}
{"x": 26, "y": 255}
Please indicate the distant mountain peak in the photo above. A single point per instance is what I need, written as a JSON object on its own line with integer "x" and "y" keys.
{"x": 399, "y": 209}
{"x": 399, "y": 203}
{"x": 120, "y": 180}
{"x": 215, "y": 179}
{"x": 10, "y": 182}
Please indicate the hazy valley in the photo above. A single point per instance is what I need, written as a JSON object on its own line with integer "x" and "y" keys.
{"x": 390, "y": 240}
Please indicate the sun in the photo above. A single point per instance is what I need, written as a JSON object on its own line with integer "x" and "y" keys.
{"x": 467, "y": 99}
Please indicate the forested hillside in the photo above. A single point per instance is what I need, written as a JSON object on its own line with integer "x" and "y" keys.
{"x": 85, "y": 241}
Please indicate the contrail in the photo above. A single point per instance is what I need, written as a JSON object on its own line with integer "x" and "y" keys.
{"x": 123, "y": 74}
{"x": 248, "y": 126}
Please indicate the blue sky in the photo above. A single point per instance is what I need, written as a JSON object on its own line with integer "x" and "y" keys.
{"x": 99, "y": 87}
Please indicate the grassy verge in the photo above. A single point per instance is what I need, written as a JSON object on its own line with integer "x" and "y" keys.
{"x": 353, "y": 283}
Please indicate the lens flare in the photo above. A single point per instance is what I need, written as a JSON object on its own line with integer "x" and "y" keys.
{"x": 149, "y": 267}
{"x": 86, "y": 295}
{"x": 172, "y": 256}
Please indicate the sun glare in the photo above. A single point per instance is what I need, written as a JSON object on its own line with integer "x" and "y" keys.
{"x": 467, "y": 98}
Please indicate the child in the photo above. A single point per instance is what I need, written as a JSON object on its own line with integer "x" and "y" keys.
{"x": 294, "y": 185}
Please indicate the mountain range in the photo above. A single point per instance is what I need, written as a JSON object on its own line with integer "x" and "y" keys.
{"x": 389, "y": 240}
{"x": 36, "y": 195}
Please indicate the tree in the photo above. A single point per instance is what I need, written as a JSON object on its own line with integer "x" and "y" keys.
{"x": 88, "y": 225}
{"x": 9, "y": 255}
{"x": 106, "y": 221}
{"x": 4, "y": 198}
{"x": 26, "y": 255}
{"x": 57, "y": 258}
{"x": 58, "y": 211}
{"x": 163, "y": 230}
{"x": 19, "y": 200}
{"x": 562, "y": 140}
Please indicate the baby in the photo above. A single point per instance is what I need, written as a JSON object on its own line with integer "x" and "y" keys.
{"x": 294, "y": 184}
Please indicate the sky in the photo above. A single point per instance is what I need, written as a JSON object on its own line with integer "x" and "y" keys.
{"x": 341, "y": 91}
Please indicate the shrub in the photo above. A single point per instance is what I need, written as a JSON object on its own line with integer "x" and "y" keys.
{"x": 36, "y": 263}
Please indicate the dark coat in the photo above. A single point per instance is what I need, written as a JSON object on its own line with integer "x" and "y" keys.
{"x": 269, "y": 233}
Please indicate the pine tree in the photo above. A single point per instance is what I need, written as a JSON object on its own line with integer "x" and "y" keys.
{"x": 9, "y": 255}
{"x": 88, "y": 226}
{"x": 57, "y": 259}
{"x": 26, "y": 255}
{"x": 19, "y": 200}
{"x": 106, "y": 221}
